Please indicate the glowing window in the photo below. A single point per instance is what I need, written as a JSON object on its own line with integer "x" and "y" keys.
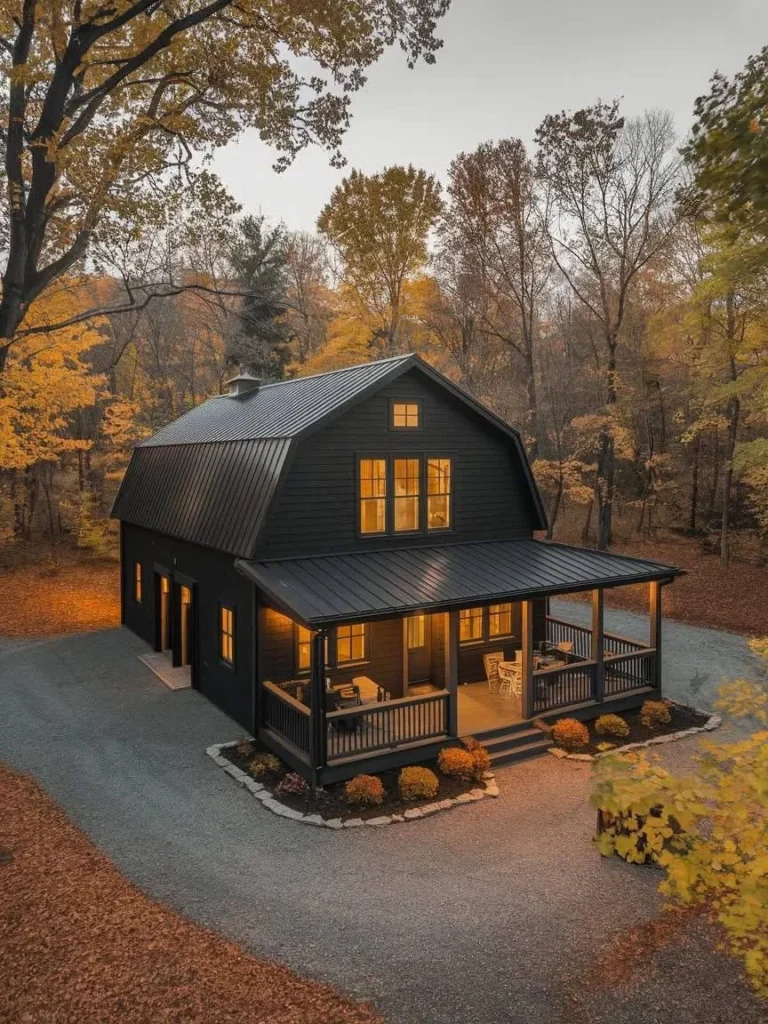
{"x": 373, "y": 495}
{"x": 438, "y": 494}
{"x": 303, "y": 648}
{"x": 227, "y": 638}
{"x": 407, "y": 490}
{"x": 405, "y": 414}
{"x": 350, "y": 643}
{"x": 470, "y": 625}
{"x": 499, "y": 619}
{"x": 137, "y": 581}
{"x": 416, "y": 631}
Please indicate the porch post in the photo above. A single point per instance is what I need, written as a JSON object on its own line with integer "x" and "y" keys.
{"x": 654, "y": 610}
{"x": 452, "y": 670}
{"x": 527, "y": 668}
{"x": 598, "y": 642}
{"x": 318, "y": 735}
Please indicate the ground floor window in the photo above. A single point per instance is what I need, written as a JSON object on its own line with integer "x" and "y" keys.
{"x": 351, "y": 643}
{"x": 470, "y": 625}
{"x": 227, "y": 634}
{"x": 137, "y": 582}
{"x": 490, "y": 623}
{"x": 416, "y": 631}
{"x": 499, "y": 619}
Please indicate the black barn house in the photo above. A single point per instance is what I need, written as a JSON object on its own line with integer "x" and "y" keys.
{"x": 339, "y": 562}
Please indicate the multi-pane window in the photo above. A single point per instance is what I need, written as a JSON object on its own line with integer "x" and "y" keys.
{"x": 373, "y": 495}
{"x": 438, "y": 494}
{"x": 416, "y": 626}
{"x": 137, "y": 581}
{"x": 405, "y": 414}
{"x": 407, "y": 488}
{"x": 499, "y": 619}
{"x": 350, "y": 643}
{"x": 227, "y": 634}
{"x": 303, "y": 648}
{"x": 470, "y": 624}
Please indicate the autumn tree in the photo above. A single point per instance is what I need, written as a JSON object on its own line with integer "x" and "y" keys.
{"x": 106, "y": 105}
{"x": 611, "y": 184}
{"x": 379, "y": 225}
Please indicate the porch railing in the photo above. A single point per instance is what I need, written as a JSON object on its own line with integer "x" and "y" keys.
{"x": 286, "y": 716}
{"x": 559, "y": 631}
{"x": 629, "y": 672}
{"x": 621, "y": 645}
{"x": 386, "y": 725}
{"x": 559, "y": 686}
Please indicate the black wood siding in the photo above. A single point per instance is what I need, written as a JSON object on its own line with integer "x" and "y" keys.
{"x": 231, "y": 688}
{"x": 316, "y": 510}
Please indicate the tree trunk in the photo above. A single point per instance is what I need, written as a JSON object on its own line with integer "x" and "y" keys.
{"x": 531, "y": 412}
{"x": 606, "y": 459}
{"x": 694, "y": 487}
{"x": 733, "y": 427}
{"x": 587, "y": 524}
{"x": 555, "y": 510}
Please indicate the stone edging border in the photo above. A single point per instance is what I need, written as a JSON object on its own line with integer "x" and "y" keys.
{"x": 262, "y": 794}
{"x": 713, "y": 722}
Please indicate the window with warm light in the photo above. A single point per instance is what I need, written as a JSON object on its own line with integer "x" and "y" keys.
{"x": 405, "y": 415}
{"x": 470, "y": 625}
{"x": 407, "y": 489}
{"x": 373, "y": 495}
{"x": 350, "y": 643}
{"x": 137, "y": 582}
{"x": 499, "y": 619}
{"x": 438, "y": 494}
{"x": 227, "y": 634}
{"x": 303, "y": 648}
{"x": 416, "y": 626}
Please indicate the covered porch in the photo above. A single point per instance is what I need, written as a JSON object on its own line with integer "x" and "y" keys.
{"x": 347, "y": 689}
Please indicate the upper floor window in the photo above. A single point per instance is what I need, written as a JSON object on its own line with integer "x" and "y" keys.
{"x": 470, "y": 625}
{"x": 351, "y": 643}
{"x": 137, "y": 582}
{"x": 499, "y": 619}
{"x": 405, "y": 414}
{"x": 407, "y": 489}
{"x": 438, "y": 494}
{"x": 373, "y": 495}
{"x": 227, "y": 634}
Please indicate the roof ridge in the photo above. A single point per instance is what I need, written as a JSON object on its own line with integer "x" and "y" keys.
{"x": 340, "y": 369}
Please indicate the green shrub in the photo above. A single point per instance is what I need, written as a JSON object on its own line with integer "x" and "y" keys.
{"x": 266, "y": 765}
{"x": 654, "y": 714}
{"x": 416, "y": 783}
{"x": 456, "y": 762}
{"x": 570, "y": 734}
{"x": 611, "y": 725}
{"x": 364, "y": 791}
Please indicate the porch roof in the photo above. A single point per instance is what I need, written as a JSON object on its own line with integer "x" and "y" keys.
{"x": 324, "y": 590}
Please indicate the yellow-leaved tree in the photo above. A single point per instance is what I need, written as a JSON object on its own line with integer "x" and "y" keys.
{"x": 707, "y": 830}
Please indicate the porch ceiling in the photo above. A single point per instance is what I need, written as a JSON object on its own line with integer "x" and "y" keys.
{"x": 321, "y": 591}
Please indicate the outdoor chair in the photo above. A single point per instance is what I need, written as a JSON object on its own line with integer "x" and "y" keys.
{"x": 491, "y": 661}
{"x": 511, "y": 681}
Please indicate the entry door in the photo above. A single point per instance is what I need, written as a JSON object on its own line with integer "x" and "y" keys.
{"x": 418, "y": 641}
{"x": 164, "y": 587}
{"x": 186, "y": 624}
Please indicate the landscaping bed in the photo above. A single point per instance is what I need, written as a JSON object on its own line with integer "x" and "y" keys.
{"x": 332, "y": 803}
{"x": 639, "y": 729}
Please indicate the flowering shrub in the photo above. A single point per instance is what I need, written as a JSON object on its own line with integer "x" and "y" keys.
{"x": 415, "y": 783}
{"x": 456, "y": 762}
{"x": 654, "y": 714}
{"x": 570, "y": 734}
{"x": 292, "y": 784}
{"x": 266, "y": 764}
{"x": 611, "y": 725}
{"x": 364, "y": 791}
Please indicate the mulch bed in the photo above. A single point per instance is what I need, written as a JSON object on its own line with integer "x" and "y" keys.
{"x": 80, "y": 944}
{"x": 682, "y": 718}
{"x": 329, "y": 801}
{"x": 46, "y": 600}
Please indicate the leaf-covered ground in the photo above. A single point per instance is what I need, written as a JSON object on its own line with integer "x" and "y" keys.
{"x": 43, "y": 600}
{"x": 79, "y": 943}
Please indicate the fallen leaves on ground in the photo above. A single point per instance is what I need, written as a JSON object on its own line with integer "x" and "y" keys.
{"x": 43, "y": 601}
{"x": 79, "y": 943}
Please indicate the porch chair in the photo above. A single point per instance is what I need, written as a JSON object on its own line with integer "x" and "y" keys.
{"x": 491, "y": 661}
{"x": 565, "y": 647}
{"x": 511, "y": 677}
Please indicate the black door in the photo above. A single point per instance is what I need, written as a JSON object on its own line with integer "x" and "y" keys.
{"x": 164, "y": 611}
{"x": 418, "y": 629}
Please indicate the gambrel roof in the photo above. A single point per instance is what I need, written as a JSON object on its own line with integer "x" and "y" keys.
{"x": 210, "y": 476}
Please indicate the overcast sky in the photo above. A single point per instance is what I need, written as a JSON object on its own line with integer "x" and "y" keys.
{"x": 504, "y": 65}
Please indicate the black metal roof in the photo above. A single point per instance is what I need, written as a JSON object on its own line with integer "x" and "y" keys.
{"x": 211, "y": 494}
{"x": 323, "y": 590}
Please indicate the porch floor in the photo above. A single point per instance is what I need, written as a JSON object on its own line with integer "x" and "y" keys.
{"x": 480, "y": 710}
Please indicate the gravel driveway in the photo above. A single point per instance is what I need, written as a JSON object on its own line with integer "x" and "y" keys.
{"x": 491, "y": 913}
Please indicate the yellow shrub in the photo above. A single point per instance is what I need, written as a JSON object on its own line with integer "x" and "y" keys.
{"x": 570, "y": 734}
{"x": 611, "y": 725}
{"x": 416, "y": 783}
{"x": 266, "y": 764}
{"x": 456, "y": 762}
{"x": 654, "y": 714}
{"x": 481, "y": 761}
{"x": 364, "y": 791}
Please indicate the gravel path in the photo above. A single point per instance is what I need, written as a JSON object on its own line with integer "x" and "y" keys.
{"x": 492, "y": 913}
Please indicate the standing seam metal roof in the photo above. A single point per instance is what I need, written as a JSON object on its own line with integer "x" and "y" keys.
{"x": 326, "y": 589}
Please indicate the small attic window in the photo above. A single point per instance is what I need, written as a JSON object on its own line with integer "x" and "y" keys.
{"x": 406, "y": 415}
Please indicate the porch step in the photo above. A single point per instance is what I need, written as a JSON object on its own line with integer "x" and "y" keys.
{"x": 514, "y": 743}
